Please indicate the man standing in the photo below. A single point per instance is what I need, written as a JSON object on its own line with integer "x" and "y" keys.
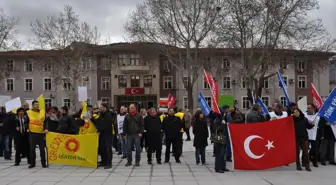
{"x": 133, "y": 130}
{"x": 171, "y": 127}
{"x": 21, "y": 136}
{"x": 153, "y": 135}
{"x": 122, "y": 140}
{"x": 327, "y": 143}
{"x": 37, "y": 131}
{"x": 187, "y": 118}
{"x": 104, "y": 128}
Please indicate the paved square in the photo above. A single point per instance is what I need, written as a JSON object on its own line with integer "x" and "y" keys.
{"x": 187, "y": 173}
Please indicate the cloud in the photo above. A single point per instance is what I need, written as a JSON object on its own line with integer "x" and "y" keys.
{"x": 109, "y": 15}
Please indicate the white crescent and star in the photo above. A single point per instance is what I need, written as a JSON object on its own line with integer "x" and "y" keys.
{"x": 248, "y": 149}
{"x": 133, "y": 91}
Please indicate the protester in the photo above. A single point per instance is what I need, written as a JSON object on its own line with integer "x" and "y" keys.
{"x": 301, "y": 135}
{"x": 66, "y": 123}
{"x": 201, "y": 133}
{"x": 122, "y": 141}
{"x": 179, "y": 113}
{"x": 51, "y": 119}
{"x": 187, "y": 118}
{"x": 104, "y": 128}
{"x": 21, "y": 136}
{"x": 37, "y": 131}
{"x": 313, "y": 133}
{"x": 278, "y": 113}
{"x": 327, "y": 148}
{"x": 133, "y": 129}
{"x": 236, "y": 116}
{"x": 171, "y": 127}
{"x": 254, "y": 115}
{"x": 226, "y": 117}
{"x": 153, "y": 136}
{"x": 8, "y": 133}
{"x": 2, "y": 130}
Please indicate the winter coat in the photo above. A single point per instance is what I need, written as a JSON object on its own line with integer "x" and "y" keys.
{"x": 201, "y": 133}
{"x": 301, "y": 125}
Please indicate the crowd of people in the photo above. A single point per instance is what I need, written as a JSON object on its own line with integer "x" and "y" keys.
{"x": 147, "y": 130}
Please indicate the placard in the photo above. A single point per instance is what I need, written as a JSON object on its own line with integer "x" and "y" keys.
{"x": 13, "y": 104}
{"x": 82, "y": 93}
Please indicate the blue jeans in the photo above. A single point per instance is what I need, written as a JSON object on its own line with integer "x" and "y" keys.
{"x": 220, "y": 162}
{"x": 123, "y": 145}
{"x": 198, "y": 152}
{"x": 133, "y": 140}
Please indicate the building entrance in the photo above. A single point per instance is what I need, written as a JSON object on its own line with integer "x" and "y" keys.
{"x": 147, "y": 102}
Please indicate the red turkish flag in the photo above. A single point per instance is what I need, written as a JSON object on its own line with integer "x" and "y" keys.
{"x": 317, "y": 100}
{"x": 259, "y": 146}
{"x": 214, "y": 91}
{"x": 171, "y": 101}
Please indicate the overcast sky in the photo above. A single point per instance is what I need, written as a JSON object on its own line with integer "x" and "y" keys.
{"x": 110, "y": 15}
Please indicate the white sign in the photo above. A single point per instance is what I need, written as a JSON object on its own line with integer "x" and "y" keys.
{"x": 4, "y": 99}
{"x": 302, "y": 104}
{"x": 13, "y": 104}
{"x": 82, "y": 93}
{"x": 30, "y": 103}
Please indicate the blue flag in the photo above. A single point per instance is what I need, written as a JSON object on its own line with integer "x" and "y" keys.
{"x": 264, "y": 109}
{"x": 283, "y": 85}
{"x": 204, "y": 104}
{"x": 327, "y": 110}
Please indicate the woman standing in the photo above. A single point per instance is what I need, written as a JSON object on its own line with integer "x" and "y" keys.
{"x": 301, "y": 135}
{"x": 200, "y": 131}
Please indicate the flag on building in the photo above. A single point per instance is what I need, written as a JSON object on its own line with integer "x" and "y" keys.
{"x": 77, "y": 150}
{"x": 214, "y": 91}
{"x": 283, "y": 86}
{"x": 256, "y": 148}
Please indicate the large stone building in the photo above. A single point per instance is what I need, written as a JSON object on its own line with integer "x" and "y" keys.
{"x": 124, "y": 73}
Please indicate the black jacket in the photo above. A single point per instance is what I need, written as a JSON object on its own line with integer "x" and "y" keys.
{"x": 9, "y": 123}
{"x": 301, "y": 126}
{"x": 171, "y": 126}
{"x": 201, "y": 133}
{"x": 153, "y": 125}
{"x": 104, "y": 124}
{"x": 133, "y": 124}
{"x": 325, "y": 129}
{"x": 66, "y": 125}
{"x": 25, "y": 122}
{"x": 52, "y": 124}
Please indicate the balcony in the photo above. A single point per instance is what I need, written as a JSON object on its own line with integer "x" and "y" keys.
{"x": 134, "y": 68}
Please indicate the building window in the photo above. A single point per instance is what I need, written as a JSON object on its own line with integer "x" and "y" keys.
{"x": 48, "y": 102}
{"x": 135, "y": 81}
{"x": 105, "y": 64}
{"x": 208, "y": 99}
{"x": 283, "y": 64}
{"x": 166, "y": 66}
{"x": 66, "y": 84}
{"x": 10, "y": 65}
{"x": 185, "y": 81}
{"x": 226, "y": 82}
{"x": 243, "y": 82}
{"x": 105, "y": 83}
{"x": 123, "y": 60}
{"x": 265, "y": 99}
{"x": 28, "y": 67}
{"x": 10, "y": 84}
{"x": 245, "y": 102}
{"x": 86, "y": 81}
{"x": 167, "y": 82}
{"x": 285, "y": 79}
{"x": 28, "y": 84}
{"x": 47, "y": 84}
{"x": 283, "y": 100}
{"x": 302, "y": 82}
{"x": 106, "y": 100}
{"x": 225, "y": 63}
{"x": 122, "y": 81}
{"x": 88, "y": 101}
{"x": 148, "y": 81}
{"x": 66, "y": 102}
{"x": 265, "y": 84}
{"x": 86, "y": 64}
{"x": 205, "y": 84}
{"x": 300, "y": 97}
{"x": 134, "y": 60}
{"x": 301, "y": 65}
{"x": 47, "y": 67}
{"x": 185, "y": 102}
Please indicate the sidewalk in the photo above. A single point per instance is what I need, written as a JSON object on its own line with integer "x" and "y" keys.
{"x": 187, "y": 173}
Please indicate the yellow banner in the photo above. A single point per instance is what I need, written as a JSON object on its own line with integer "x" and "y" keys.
{"x": 78, "y": 150}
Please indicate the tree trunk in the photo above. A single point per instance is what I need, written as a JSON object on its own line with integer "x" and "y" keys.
{"x": 190, "y": 99}
{"x": 73, "y": 95}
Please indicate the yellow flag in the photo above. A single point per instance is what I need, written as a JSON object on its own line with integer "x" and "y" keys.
{"x": 78, "y": 150}
{"x": 88, "y": 127}
{"x": 41, "y": 101}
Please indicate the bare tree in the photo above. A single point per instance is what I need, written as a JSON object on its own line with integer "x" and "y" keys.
{"x": 185, "y": 27}
{"x": 258, "y": 28}
{"x": 8, "y": 32}
{"x": 72, "y": 41}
